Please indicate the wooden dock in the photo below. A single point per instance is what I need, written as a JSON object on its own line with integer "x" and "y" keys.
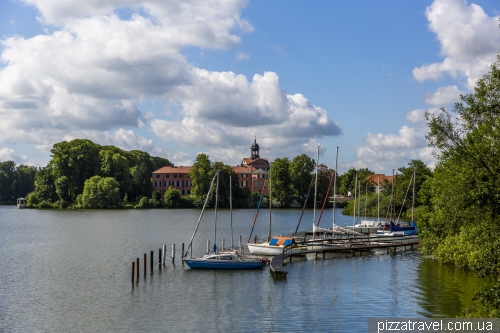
{"x": 352, "y": 245}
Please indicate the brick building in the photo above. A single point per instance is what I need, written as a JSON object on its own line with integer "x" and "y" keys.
{"x": 252, "y": 173}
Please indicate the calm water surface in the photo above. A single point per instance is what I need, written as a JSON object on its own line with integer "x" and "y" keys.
{"x": 69, "y": 271}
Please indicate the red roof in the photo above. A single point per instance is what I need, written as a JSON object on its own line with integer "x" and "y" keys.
{"x": 376, "y": 177}
{"x": 170, "y": 169}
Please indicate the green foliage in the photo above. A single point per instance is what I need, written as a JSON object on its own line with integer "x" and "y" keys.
{"x": 301, "y": 173}
{"x": 460, "y": 223}
{"x": 173, "y": 199}
{"x": 486, "y": 303}
{"x": 367, "y": 202}
{"x": 15, "y": 181}
{"x": 201, "y": 175}
{"x": 281, "y": 181}
{"x": 76, "y": 161}
{"x": 100, "y": 192}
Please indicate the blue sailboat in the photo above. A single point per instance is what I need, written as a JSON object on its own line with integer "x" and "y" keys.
{"x": 220, "y": 260}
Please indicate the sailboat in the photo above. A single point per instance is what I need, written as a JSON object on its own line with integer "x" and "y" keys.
{"x": 275, "y": 244}
{"x": 394, "y": 228}
{"x": 318, "y": 243}
{"x": 370, "y": 225}
{"x": 220, "y": 260}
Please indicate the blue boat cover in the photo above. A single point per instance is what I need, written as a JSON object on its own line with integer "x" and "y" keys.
{"x": 273, "y": 241}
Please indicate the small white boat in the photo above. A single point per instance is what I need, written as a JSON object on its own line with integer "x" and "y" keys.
{"x": 275, "y": 246}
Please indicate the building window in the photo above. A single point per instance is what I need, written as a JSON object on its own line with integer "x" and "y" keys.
{"x": 188, "y": 191}
{"x": 244, "y": 183}
{"x": 188, "y": 183}
{"x": 181, "y": 182}
{"x": 157, "y": 184}
{"x": 244, "y": 175}
{"x": 157, "y": 176}
{"x": 167, "y": 183}
{"x": 167, "y": 176}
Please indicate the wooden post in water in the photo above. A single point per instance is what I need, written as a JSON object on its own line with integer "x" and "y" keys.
{"x": 182, "y": 254}
{"x": 133, "y": 271}
{"x": 151, "y": 260}
{"x": 255, "y": 239}
{"x": 159, "y": 258}
{"x": 173, "y": 252}
{"x": 164, "y": 255}
{"x": 137, "y": 263}
{"x": 145, "y": 261}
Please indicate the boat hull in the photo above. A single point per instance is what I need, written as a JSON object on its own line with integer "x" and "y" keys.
{"x": 271, "y": 250}
{"x": 219, "y": 264}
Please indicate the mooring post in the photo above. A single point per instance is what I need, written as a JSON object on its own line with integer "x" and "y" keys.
{"x": 133, "y": 271}
{"x": 182, "y": 254}
{"x": 151, "y": 260}
{"x": 137, "y": 267}
{"x": 173, "y": 252}
{"x": 255, "y": 239}
{"x": 145, "y": 264}
{"x": 159, "y": 258}
{"x": 164, "y": 254}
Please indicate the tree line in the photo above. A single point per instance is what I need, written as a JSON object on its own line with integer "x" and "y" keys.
{"x": 83, "y": 174}
{"x": 15, "y": 181}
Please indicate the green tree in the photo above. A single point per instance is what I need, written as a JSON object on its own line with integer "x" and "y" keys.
{"x": 7, "y": 179}
{"x": 201, "y": 175}
{"x": 72, "y": 163}
{"x": 114, "y": 163}
{"x": 301, "y": 172}
{"x": 172, "y": 198}
{"x": 100, "y": 192}
{"x": 281, "y": 181}
{"x": 24, "y": 181}
{"x": 45, "y": 189}
{"x": 461, "y": 225}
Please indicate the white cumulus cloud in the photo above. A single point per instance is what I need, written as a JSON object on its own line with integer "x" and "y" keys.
{"x": 469, "y": 41}
{"x": 86, "y": 77}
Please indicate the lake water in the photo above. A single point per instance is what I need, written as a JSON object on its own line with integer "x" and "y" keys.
{"x": 69, "y": 271}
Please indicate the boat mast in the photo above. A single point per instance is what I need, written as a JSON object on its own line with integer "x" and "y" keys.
{"x": 413, "y": 197}
{"x": 366, "y": 196}
{"x": 393, "y": 196}
{"x": 270, "y": 202}
{"x": 201, "y": 215}
{"x": 378, "y": 199}
{"x": 216, "y": 203}
{"x": 315, "y": 189}
{"x": 335, "y": 187}
{"x": 231, "y": 211}
{"x": 354, "y": 209}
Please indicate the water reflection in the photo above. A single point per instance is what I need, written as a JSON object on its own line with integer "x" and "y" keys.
{"x": 444, "y": 290}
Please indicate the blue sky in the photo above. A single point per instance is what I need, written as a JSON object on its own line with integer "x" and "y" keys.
{"x": 179, "y": 78}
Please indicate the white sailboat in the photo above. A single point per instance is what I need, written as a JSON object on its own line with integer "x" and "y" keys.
{"x": 275, "y": 244}
{"x": 317, "y": 243}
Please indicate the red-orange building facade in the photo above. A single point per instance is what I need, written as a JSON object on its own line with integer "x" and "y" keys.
{"x": 252, "y": 174}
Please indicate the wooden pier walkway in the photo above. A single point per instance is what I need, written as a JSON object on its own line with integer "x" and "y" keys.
{"x": 352, "y": 245}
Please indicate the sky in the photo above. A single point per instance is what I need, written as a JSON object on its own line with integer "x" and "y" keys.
{"x": 177, "y": 78}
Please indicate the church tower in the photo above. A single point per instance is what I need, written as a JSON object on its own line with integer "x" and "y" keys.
{"x": 254, "y": 150}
